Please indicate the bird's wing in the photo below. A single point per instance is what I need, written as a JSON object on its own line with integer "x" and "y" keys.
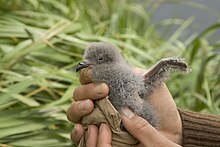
{"x": 160, "y": 71}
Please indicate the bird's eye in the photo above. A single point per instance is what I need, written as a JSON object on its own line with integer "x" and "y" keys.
{"x": 100, "y": 59}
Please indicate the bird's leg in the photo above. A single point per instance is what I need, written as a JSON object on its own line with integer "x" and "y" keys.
{"x": 160, "y": 72}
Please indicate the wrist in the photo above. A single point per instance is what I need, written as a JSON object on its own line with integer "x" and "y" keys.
{"x": 174, "y": 132}
{"x": 179, "y": 134}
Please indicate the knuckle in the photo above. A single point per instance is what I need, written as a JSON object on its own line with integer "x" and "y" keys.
{"x": 85, "y": 76}
{"x": 73, "y": 137}
{"x": 79, "y": 93}
{"x": 75, "y": 93}
{"x": 141, "y": 125}
{"x": 68, "y": 114}
{"x": 77, "y": 133}
{"x": 73, "y": 114}
{"x": 90, "y": 91}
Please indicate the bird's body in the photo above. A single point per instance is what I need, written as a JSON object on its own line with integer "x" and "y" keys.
{"x": 127, "y": 89}
{"x": 123, "y": 89}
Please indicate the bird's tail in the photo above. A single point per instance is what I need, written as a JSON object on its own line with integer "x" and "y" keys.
{"x": 160, "y": 72}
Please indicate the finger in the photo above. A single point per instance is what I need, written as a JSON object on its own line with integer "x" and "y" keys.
{"x": 85, "y": 76}
{"x": 77, "y": 133}
{"x": 105, "y": 136}
{"x": 79, "y": 109}
{"x": 91, "y": 136}
{"x": 141, "y": 129}
{"x": 90, "y": 91}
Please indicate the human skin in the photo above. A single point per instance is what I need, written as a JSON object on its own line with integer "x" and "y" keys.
{"x": 169, "y": 134}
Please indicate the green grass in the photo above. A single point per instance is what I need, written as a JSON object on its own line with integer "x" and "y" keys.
{"x": 42, "y": 41}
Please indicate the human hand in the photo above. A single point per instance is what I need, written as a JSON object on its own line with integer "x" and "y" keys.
{"x": 161, "y": 99}
{"x": 170, "y": 120}
{"x": 83, "y": 105}
{"x": 143, "y": 131}
{"x": 136, "y": 126}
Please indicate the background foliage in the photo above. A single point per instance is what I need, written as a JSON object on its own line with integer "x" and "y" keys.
{"x": 42, "y": 41}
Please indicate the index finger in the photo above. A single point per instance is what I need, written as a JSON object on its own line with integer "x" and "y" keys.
{"x": 85, "y": 75}
{"x": 90, "y": 91}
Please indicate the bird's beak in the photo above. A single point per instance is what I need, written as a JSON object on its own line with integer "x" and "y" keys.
{"x": 82, "y": 65}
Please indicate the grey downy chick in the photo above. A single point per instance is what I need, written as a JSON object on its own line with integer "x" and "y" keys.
{"x": 127, "y": 89}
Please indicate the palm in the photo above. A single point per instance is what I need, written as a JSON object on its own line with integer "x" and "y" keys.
{"x": 170, "y": 121}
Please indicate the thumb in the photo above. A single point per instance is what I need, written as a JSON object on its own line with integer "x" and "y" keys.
{"x": 137, "y": 126}
{"x": 142, "y": 130}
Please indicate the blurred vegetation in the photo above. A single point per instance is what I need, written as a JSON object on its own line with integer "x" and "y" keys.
{"x": 42, "y": 41}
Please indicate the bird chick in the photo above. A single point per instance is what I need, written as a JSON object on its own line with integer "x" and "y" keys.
{"x": 127, "y": 89}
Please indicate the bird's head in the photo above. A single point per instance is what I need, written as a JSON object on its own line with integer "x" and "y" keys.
{"x": 100, "y": 53}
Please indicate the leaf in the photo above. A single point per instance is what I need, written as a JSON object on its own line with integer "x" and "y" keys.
{"x": 8, "y": 93}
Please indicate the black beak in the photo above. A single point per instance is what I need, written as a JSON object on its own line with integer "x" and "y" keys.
{"x": 82, "y": 65}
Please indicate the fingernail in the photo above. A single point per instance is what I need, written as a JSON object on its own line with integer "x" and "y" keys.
{"x": 101, "y": 127}
{"x": 84, "y": 105}
{"x": 99, "y": 89}
{"x": 127, "y": 113}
